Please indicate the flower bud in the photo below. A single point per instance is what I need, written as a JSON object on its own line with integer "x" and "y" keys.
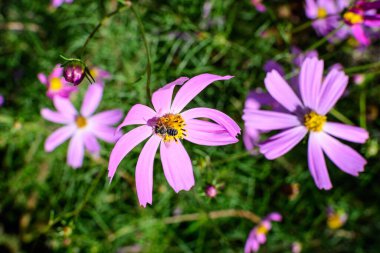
{"x": 74, "y": 72}
{"x": 211, "y": 191}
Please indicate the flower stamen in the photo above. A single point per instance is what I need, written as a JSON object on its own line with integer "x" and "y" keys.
{"x": 262, "y": 229}
{"x": 353, "y": 18}
{"x": 55, "y": 84}
{"x": 322, "y": 13}
{"x": 170, "y": 127}
{"x": 81, "y": 121}
{"x": 314, "y": 122}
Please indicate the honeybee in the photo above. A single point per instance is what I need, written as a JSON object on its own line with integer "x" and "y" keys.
{"x": 162, "y": 130}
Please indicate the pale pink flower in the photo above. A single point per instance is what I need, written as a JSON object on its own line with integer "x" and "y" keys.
{"x": 308, "y": 115}
{"x": 259, "y": 5}
{"x": 57, "y": 3}
{"x": 82, "y": 127}
{"x": 258, "y": 234}
{"x": 55, "y": 83}
{"x": 165, "y": 126}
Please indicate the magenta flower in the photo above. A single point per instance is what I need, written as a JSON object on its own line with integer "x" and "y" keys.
{"x": 83, "y": 128}
{"x": 363, "y": 14}
{"x": 56, "y": 84}
{"x": 167, "y": 125}
{"x": 325, "y": 13}
{"x": 1, "y": 100}
{"x": 57, "y": 3}
{"x": 259, "y": 5}
{"x": 309, "y": 116}
{"x": 258, "y": 234}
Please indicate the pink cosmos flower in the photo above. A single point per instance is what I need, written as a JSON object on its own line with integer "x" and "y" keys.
{"x": 362, "y": 15}
{"x": 259, "y": 5}
{"x": 99, "y": 74}
{"x": 57, "y": 3}
{"x": 258, "y": 234}
{"x": 56, "y": 84}
{"x": 82, "y": 127}
{"x": 308, "y": 115}
{"x": 325, "y": 13}
{"x": 165, "y": 126}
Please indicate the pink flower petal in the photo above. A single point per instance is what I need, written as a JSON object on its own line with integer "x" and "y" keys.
{"x": 346, "y": 132}
{"x": 65, "y": 107}
{"x": 343, "y": 156}
{"x": 274, "y": 217}
{"x": 110, "y": 117}
{"x": 55, "y": 117}
{"x": 261, "y": 238}
{"x": 57, "y": 72}
{"x": 311, "y": 9}
{"x": 42, "y": 78}
{"x": 91, "y": 143}
{"x": 192, "y": 88}
{"x": 333, "y": 87}
{"x": 215, "y": 115}
{"x": 207, "y": 133}
{"x": 75, "y": 153}
{"x": 317, "y": 163}
{"x": 105, "y": 133}
{"x": 144, "y": 170}
{"x": 177, "y": 166}
{"x": 138, "y": 115}
{"x": 372, "y": 20}
{"x": 251, "y": 137}
{"x": 162, "y": 98}
{"x": 92, "y": 99}
{"x": 310, "y": 80}
{"x": 268, "y": 120}
{"x": 281, "y": 143}
{"x": 125, "y": 145}
{"x": 359, "y": 34}
{"x": 58, "y": 137}
{"x": 281, "y": 91}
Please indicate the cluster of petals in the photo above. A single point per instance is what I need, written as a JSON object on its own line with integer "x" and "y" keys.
{"x": 175, "y": 160}
{"x": 83, "y": 127}
{"x": 318, "y": 95}
{"x": 55, "y": 84}
{"x": 258, "y": 234}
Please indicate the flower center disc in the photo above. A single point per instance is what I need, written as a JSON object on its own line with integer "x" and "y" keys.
{"x": 322, "y": 13}
{"x": 81, "y": 121}
{"x": 262, "y": 230}
{"x": 55, "y": 84}
{"x": 353, "y": 18}
{"x": 314, "y": 122}
{"x": 170, "y": 127}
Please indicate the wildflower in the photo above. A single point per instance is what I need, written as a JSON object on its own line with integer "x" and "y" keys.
{"x": 165, "y": 126}
{"x": 57, "y": 3}
{"x": 1, "y": 100}
{"x": 258, "y": 234}
{"x": 336, "y": 218}
{"x": 363, "y": 14}
{"x": 82, "y": 127}
{"x": 259, "y": 5}
{"x": 56, "y": 85}
{"x": 99, "y": 74}
{"x": 296, "y": 247}
{"x": 309, "y": 116}
{"x": 211, "y": 191}
{"x": 325, "y": 14}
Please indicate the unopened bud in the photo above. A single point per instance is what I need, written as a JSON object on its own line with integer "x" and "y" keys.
{"x": 74, "y": 72}
{"x": 211, "y": 191}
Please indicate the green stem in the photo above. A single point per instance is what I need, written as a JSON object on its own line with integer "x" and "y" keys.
{"x": 302, "y": 27}
{"x": 341, "y": 117}
{"x": 100, "y": 24}
{"x": 362, "y": 68}
{"x": 148, "y": 64}
{"x": 324, "y": 39}
{"x": 363, "y": 109}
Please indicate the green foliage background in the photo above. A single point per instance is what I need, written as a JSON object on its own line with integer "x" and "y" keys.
{"x": 45, "y": 206}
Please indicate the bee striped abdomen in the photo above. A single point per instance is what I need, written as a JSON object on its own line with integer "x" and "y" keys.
{"x": 171, "y": 131}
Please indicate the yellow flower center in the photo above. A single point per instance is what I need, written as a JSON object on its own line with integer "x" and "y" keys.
{"x": 262, "y": 229}
{"x": 334, "y": 221}
{"x": 322, "y": 13}
{"x": 353, "y": 18}
{"x": 55, "y": 84}
{"x": 94, "y": 72}
{"x": 314, "y": 122}
{"x": 81, "y": 121}
{"x": 170, "y": 127}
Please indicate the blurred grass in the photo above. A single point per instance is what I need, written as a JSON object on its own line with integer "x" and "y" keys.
{"x": 37, "y": 187}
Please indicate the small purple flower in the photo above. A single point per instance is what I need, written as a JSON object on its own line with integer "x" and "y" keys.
{"x": 82, "y": 127}
{"x": 1, "y": 100}
{"x": 362, "y": 15}
{"x": 259, "y": 5}
{"x": 165, "y": 127}
{"x": 309, "y": 116}
{"x": 56, "y": 85}
{"x": 57, "y": 3}
{"x": 299, "y": 56}
{"x": 211, "y": 191}
{"x": 258, "y": 234}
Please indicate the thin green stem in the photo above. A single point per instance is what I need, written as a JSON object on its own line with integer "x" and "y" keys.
{"x": 302, "y": 27}
{"x": 362, "y": 68}
{"x": 363, "y": 109}
{"x": 341, "y": 117}
{"x": 324, "y": 39}
{"x": 148, "y": 64}
{"x": 100, "y": 24}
